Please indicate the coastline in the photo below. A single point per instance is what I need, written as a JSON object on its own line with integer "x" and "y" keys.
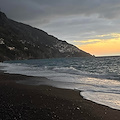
{"x": 47, "y": 103}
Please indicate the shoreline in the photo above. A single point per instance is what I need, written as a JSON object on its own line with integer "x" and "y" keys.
{"x": 47, "y": 103}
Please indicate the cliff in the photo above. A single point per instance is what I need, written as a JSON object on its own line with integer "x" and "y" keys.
{"x": 21, "y": 41}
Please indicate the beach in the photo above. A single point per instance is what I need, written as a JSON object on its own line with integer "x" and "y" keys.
{"x": 28, "y": 102}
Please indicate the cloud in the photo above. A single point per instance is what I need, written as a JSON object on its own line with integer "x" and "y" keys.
{"x": 81, "y": 27}
{"x": 112, "y": 35}
{"x": 49, "y": 9}
{"x": 21, "y": 10}
{"x": 98, "y": 39}
{"x": 88, "y": 41}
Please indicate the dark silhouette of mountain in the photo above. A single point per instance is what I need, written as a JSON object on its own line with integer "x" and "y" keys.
{"x": 21, "y": 41}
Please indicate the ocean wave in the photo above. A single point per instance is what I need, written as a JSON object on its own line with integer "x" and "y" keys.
{"x": 97, "y": 78}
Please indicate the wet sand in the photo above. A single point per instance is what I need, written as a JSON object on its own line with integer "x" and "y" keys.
{"x": 28, "y": 102}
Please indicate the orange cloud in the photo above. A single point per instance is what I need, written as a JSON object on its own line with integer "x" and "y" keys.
{"x": 102, "y": 47}
{"x": 87, "y": 41}
{"x": 111, "y": 35}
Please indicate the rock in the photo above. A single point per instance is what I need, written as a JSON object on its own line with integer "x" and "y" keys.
{"x": 21, "y": 41}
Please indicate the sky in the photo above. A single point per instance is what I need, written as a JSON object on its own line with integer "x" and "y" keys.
{"x": 91, "y": 25}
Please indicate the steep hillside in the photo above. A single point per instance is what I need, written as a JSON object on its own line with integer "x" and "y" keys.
{"x": 21, "y": 41}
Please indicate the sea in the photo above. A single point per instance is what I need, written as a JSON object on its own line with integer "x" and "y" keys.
{"x": 98, "y": 78}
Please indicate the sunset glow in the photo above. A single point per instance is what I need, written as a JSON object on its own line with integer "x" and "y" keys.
{"x": 102, "y": 47}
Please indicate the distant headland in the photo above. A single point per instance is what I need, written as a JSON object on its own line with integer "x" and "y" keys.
{"x": 20, "y": 41}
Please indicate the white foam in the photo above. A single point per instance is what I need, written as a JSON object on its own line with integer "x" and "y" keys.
{"x": 102, "y": 91}
{"x": 107, "y": 99}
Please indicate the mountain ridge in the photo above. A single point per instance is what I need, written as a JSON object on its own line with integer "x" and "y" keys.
{"x": 20, "y": 41}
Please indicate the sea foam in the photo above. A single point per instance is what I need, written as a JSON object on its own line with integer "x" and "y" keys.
{"x": 97, "y": 78}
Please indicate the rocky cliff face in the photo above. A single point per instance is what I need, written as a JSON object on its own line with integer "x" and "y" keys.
{"x": 21, "y": 41}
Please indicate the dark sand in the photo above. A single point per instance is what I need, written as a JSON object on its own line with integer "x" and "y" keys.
{"x": 27, "y": 102}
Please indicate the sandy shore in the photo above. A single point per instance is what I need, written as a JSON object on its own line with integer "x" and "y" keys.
{"x": 27, "y": 102}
